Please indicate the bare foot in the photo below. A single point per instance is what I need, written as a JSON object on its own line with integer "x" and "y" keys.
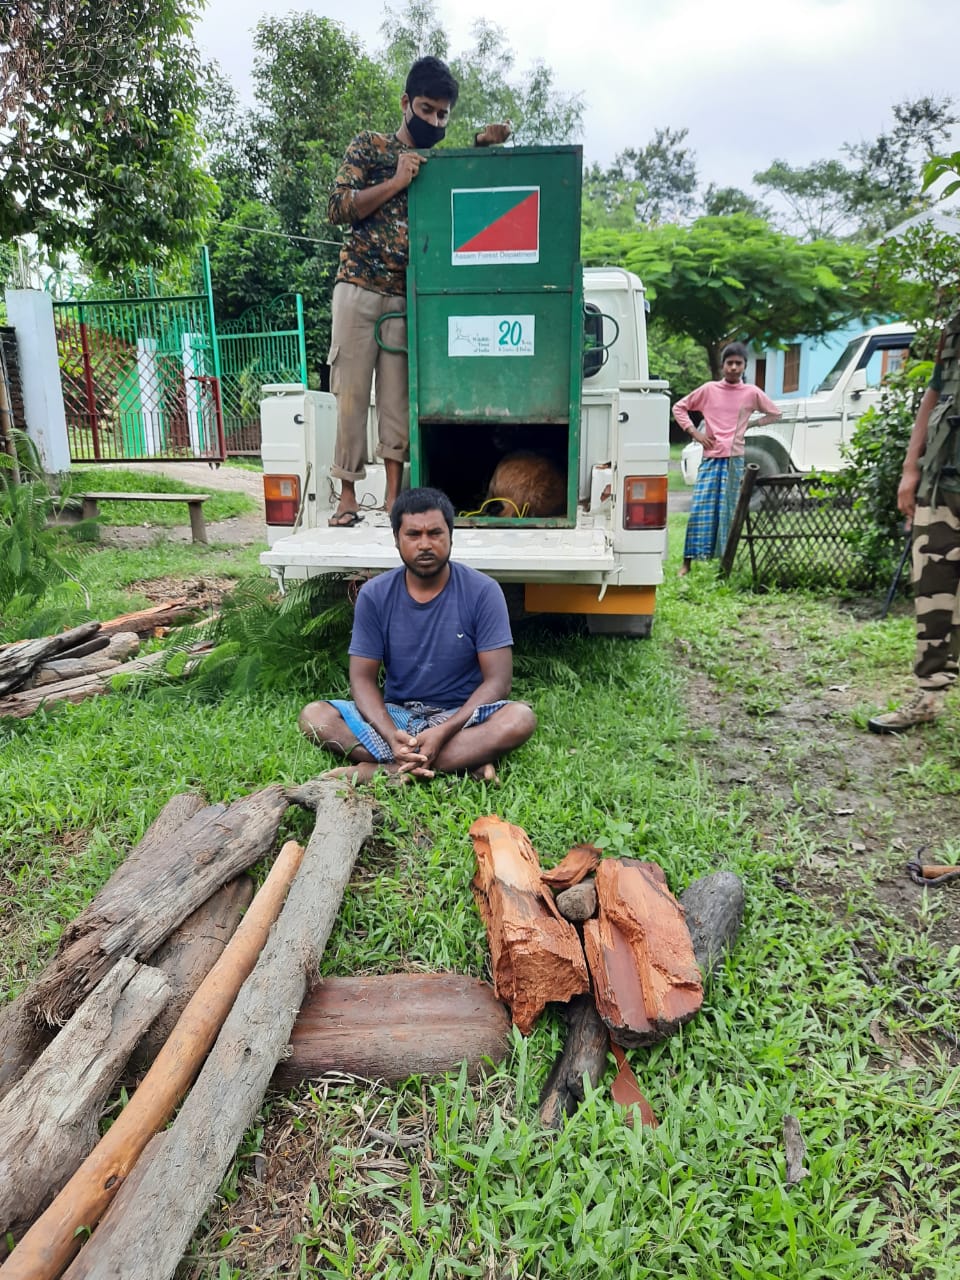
{"x": 486, "y": 773}
{"x": 684, "y": 570}
{"x": 357, "y": 774}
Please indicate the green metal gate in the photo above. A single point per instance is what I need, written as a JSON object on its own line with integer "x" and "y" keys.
{"x": 266, "y": 344}
{"x": 141, "y": 377}
{"x": 150, "y": 378}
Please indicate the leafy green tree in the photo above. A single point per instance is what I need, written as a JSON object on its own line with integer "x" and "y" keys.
{"x": 874, "y": 462}
{"x": 727, "y": 278}
{"x": 315, "y": 88}
{"x": 719, "y": 202}
{"x": 919, "y": 270}
{"x": 873, "y": 186}
{"x": 650, "y": 184}
{"x": 98, "y": 149}
{"x": 490, "y": 89}
{"x": 817, "y": 196}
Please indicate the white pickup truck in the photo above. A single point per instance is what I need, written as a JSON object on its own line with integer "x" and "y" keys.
{"x": 812, "y": 430}
{"x": 603, "y": 559}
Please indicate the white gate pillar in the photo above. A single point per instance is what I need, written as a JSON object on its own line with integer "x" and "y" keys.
{"x": 30, "y": 311}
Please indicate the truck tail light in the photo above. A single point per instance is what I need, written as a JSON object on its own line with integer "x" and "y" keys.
{"x": 645, "y": 502}
{"x": 281, "y": 497}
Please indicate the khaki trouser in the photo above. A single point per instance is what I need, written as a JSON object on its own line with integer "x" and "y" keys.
{"x": 354, "y": 360}
{"x": 936, "y": 590}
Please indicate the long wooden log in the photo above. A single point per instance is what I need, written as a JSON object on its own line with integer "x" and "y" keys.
{"x": 146, "y": 621}
{"x": 117, "y": 649}
{"x": 187, "y": 957}
{"x": 135, "y": 912}
{"x": 145, "y": 899}
{"x": 645, "y": 976}
{"x": 396, "y": 1025}
{"x": 55, "y": 1237}
{"x": 146, "y": 1232}
{"x": 18, "y": 660}
{"x": 22, "y": 1036}
{"x": 17, "y": 706}
{"x": 48, "y": 1121}
{"x": 535, "y": 953}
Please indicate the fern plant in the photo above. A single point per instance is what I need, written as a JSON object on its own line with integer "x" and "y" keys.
{"x": 263, "y": 641}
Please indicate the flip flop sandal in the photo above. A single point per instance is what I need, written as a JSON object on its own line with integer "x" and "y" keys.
{"x": 345, "y": 520}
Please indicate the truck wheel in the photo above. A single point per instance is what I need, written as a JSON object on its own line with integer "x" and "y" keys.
{"x": 769, "y": 463}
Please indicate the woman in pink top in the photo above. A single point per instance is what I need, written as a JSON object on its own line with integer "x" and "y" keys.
{"x": 727, "y": 407}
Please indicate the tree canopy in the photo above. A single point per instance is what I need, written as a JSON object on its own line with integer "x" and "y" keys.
{"x": 872, "y": 185}
{"x": 98, "y": 149}
{"x": 736, "y": 278}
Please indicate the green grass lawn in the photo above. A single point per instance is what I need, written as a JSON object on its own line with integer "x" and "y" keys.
{"x": 221, "y": 505}
{"x": 621, "y": 758}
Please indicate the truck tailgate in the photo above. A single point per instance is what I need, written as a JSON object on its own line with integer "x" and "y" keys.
{"x": 511, "y": 555}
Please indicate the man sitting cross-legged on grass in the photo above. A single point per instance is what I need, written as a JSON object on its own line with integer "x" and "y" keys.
{"x": 441, "y": 632}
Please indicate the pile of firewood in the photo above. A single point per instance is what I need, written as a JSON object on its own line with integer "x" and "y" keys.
{"x": 160, "y": 978}
{"x": 618, "y": 950}
{"x": 79, "y": 663}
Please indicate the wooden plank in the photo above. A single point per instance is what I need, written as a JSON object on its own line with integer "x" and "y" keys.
{"x": 22, "y": 1039}
{"x": 394, "y": 1026}
{"x": 645, "y": 977}
{"x": 57, "y": 1234}
{"x": 146, "y": 1232}
{"x": 146, "y": 497}
{"x": 25, "y": 702}
{"x": 536, "y": 954}
{"x": 49, "y": 1120}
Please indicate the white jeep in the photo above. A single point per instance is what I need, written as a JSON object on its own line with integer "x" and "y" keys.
{"x": 810, "y": 433}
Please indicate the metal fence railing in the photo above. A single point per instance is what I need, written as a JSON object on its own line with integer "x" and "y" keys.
{"x": 798, "y": 530}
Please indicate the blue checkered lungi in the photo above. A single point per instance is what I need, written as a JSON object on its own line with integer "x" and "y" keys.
{"x": 712, "y": 506}
{"x": 412, "y": 717}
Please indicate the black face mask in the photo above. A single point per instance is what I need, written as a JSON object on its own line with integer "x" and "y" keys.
{"x": 423, "y": 133}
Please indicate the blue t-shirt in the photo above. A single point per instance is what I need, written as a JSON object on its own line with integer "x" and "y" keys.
{"x": 430, "y": 650}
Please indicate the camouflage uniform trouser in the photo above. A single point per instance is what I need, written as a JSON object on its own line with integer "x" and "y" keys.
{"x": 936, "y": 590}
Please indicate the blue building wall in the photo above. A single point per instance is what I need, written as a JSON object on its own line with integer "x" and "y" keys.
{"x": 817, "y": 358}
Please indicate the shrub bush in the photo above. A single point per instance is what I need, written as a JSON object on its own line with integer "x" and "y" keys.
{"x": 874, "y": 458}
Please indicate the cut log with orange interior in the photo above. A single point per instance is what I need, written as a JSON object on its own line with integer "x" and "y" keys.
{"x": 536, "y": 954}
{"x": 645, "y": 976}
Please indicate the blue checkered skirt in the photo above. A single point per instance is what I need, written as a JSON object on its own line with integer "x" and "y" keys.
{"x": 712, "y": 506}
{"x": 412, "y": 717}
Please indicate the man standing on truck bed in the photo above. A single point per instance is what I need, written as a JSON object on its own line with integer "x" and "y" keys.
{"x": 440, "y": 631}
{"x": 370, "y": 196}
{"x": 929, "y": 497}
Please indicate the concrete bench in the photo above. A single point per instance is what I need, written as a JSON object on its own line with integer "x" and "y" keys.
{"x": 194, "y": 501}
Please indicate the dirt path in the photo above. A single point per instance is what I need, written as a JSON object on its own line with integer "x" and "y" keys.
{"x": 807, "y": 762}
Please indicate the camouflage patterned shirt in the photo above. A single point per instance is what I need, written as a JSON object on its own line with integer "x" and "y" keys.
{"x": 376, "y": 250}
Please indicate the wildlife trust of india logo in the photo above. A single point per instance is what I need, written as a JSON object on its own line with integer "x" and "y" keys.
{"x": 495, "y": 224}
